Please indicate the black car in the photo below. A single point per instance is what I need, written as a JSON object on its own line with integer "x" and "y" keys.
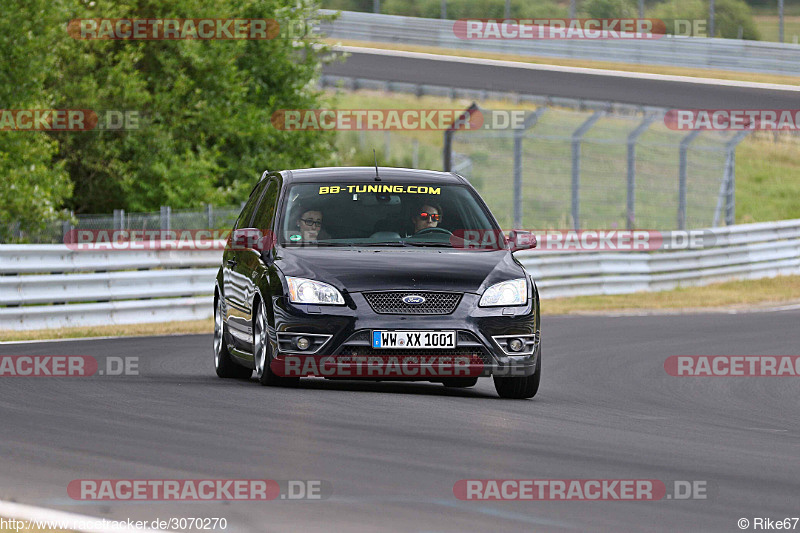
{"x": 329, "y": 265}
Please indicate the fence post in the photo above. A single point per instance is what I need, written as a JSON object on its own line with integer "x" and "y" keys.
{"x": 415, "y": 153}
{"x": 166, "y": 215}
{"x": 519, "y": 134}
{"x": 730, "y": 167}
{"x": 632, "y": 138}
{"x": 387, "y": 146}
{"x": 119, "y": 219}
{"x": 683, "y": 162}
{"x": 780, "y": 21}
{"x": 66, "y": 226}
{"x": 210, "y": 216}
{"x": 711, "y": 12}
{"x": 577, "y": 136}
{"x": 447, "y": 150}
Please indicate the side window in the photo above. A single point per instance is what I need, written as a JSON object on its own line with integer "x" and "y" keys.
{"x": 249, "y": 208}
{"x": 265, "y": 214}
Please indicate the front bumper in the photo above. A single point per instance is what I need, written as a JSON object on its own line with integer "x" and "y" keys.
{"x": 350, "y": 327}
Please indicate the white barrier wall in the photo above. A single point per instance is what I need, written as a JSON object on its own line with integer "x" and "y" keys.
{"x": 697, "y": 52}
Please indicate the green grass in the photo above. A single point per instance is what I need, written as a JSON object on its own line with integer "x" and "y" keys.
{"x": 767, "y": 179}
{"x": 768, "y": 27}
{"x": 747, "y": 294}
{"x": 129, "y": 330}
{"x": 767, "y": 184}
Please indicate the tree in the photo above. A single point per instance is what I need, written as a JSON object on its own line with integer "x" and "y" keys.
{"x": 32, "y": 188}
{"x": 204, "y": 130}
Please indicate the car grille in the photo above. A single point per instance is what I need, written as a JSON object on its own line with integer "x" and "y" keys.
{"x": 391, "y": 302}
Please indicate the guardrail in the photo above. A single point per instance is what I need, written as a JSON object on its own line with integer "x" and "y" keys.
{"x": 51, "y": 286}
{"x": 747, "y": 251}
{"x": 726, "y": 54}
{"x": 46, "y": 286}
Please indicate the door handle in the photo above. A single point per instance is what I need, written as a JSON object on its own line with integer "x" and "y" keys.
{"x": 231, "y": 262}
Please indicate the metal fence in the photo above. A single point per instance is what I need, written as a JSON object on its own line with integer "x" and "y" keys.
{"x": 727, "y": 54}
{"x": 578, "y": 163}
{"x": 587, "y": 165}
{"x": 52, "y": 286}
{"x": 166, "y": 218}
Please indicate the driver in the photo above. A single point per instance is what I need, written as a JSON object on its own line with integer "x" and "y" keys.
{"x": 428, "y": 215}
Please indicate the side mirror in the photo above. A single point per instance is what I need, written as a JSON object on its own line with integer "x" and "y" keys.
{"x": 521, "y": 240}
{"x": 252, "y": 239}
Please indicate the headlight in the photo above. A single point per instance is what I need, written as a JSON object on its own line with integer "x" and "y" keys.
{"x": 308, "y": 291}
{"x": 511, "y": 292}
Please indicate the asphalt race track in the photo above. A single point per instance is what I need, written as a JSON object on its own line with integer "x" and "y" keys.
{"x": 391, "y": 452}
{"x": 613, "y": 88}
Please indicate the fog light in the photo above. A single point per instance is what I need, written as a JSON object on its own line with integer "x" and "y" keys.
{"x": 516, "y": 345}
{"x": 302, "y": 343}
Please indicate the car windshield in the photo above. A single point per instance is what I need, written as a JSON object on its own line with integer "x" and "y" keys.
{"x": 381, "y": 214}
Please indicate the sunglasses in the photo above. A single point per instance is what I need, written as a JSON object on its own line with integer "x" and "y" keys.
{"x": 310, "y": 222}
{"x": 430, "y": 217}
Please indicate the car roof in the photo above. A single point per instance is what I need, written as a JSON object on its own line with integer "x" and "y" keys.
{"x": 367, "y": 174}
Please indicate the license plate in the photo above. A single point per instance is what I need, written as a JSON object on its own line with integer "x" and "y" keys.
{"x": 413, "y": 339}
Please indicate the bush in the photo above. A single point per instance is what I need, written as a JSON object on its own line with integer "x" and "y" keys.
{"x": 600, "y": 9}
{"x": 730, "y": 15}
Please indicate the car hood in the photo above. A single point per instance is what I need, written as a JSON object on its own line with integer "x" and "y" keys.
{"x": 368, "y": 269}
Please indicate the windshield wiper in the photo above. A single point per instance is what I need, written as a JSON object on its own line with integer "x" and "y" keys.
{"x": 387, "y": 243}
{"x": 443, "y": 244}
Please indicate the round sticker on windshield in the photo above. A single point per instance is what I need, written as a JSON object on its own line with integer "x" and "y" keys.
{"x": 295, "y": 237}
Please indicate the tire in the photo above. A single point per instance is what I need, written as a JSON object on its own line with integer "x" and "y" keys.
{"x": 459, "y": 383}
{"x": 518, "y": 388}
{"x": 262, "y": 352}
{"x": 223, "y": 363}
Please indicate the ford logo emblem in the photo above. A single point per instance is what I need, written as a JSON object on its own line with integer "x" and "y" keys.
{"x": 413, "y": 299}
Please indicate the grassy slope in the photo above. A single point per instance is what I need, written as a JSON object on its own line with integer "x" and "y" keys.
{"x": 767, "y": 172}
